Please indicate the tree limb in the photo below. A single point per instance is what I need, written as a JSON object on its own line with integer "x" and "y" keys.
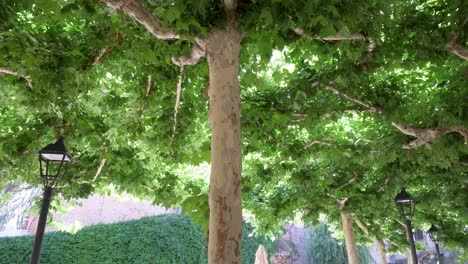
{"x": 338, "y": 37}
{"x": 101, "y": 54}
{"x": 99, "y": 169}
{"x": 230, "y": 5}
{"x": 278, "y": 142}
{"x": 15, "y": 73}
{"x": 137, "y": 11}
{"x": 425, "y": 135}
{"x": 361, "y": 225}
{"x": 357, "y": 101}
{"x": 348, "y": 183}
{"x": 422, "y": 135}
{"x": 378, "y": 242}
{"x": 342, "y": 202}
{"x": 176, "y": 106}
{"x": 457, "y": 49}
{"x": 195, "y": 55}
{"x": 320, "y": 142}
{"x": 401, "y": 223}
{"x": 454, "y": 47}
{"x": 149, "y": 88}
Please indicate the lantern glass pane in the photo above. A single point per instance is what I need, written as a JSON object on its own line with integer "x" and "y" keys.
{"x": 433, "y": 233}
{"x": 53, "y": 171}
{"x": 406, "y": 209}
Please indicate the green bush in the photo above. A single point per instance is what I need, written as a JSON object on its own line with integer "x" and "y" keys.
{"x": 324, "y": 249}
{"x": 161, "y": 239}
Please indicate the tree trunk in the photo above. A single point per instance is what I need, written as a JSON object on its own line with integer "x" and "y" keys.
{"x": 351, "y": 248}
{"x": 225, "y": 230}
{"x": 409, "y": 256}
{"x": 381, "y": 250}
{"x": 378, "y": 242}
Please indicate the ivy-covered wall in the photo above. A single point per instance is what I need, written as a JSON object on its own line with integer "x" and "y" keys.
{"x": 169, "y": 238}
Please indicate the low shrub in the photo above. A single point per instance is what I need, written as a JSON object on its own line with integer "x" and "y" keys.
{"x": 171, "y": 239}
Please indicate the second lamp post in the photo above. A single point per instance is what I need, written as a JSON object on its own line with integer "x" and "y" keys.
{"x": 53, "y": 163}
{"x": 406, "y": 206}
{"x": 434, "y": 235}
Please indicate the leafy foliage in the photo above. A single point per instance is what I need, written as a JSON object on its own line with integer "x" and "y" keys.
{"x": 304, "y": 147}
{"x": 164, "y": 239}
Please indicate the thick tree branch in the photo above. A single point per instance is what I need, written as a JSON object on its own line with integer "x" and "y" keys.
{"x": 425, "y": 135}
{"x": 230, "y": 5}
{"x": 457, "y": 49}
{"x": 422, "y": 135}
{"x": 342, "y": 202}
{"x": 195, "y": 55}
{"x": 15, "y": 73}
{"x": 338, "y": 37}
{"x": 137, "y": 11}
{"x": 454, "y": 47}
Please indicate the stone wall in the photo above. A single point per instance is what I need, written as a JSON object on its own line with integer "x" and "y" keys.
{"x": 98, "y": 209}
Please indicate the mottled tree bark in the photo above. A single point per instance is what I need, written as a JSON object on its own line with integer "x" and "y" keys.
{"x": 351, "y": 248}
{"x": 377, "y": 241}
{"x": 225, "y": 235}
{"x": 409, "y": 256}
{"x": 380, "y": 249}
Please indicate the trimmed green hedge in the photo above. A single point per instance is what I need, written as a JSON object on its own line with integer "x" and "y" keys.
{"x": 170, "y": 238}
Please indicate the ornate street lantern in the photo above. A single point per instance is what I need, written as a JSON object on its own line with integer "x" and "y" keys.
{"x": 406, "y": 204}
{"x": 434, "y": 235}
{"x": 53, "y": 164}
{"x": 406, "y": 207}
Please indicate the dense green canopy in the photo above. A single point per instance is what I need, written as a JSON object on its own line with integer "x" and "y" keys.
{"x": 343, "y": 103}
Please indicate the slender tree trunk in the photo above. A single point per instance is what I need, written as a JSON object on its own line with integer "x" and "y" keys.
{"x": 351, "y": 248}
{"x": 378, "y": 242}
{"x": 225, "y": 233}
{"x": 409, "y": 257}
{"x": 381, "y": 250}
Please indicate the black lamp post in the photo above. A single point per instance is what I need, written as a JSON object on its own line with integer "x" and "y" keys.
{"x": 406, "y": 206}
{"x": 434, "y": 235}
{"x": 53, "y": 163}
